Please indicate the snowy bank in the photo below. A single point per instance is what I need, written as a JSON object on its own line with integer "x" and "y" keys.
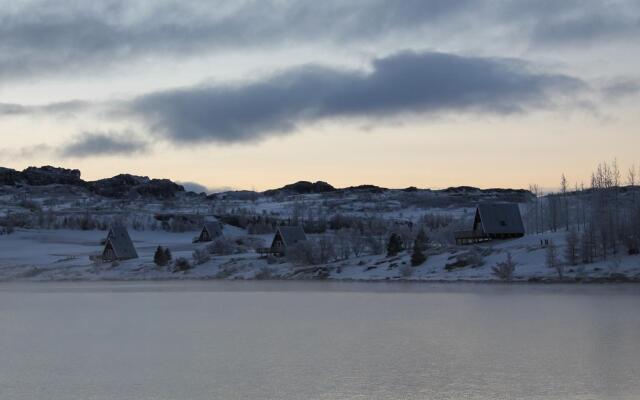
{"x": 57, "y": 255}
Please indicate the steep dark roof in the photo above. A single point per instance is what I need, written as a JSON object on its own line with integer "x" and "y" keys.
{"x": 121, "y": 243}
{"x": 213, "y": 227}
{"x": 501, "y": 218}
{"x": 291, "y": 234}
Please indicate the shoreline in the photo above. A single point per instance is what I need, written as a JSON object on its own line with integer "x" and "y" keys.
{"x": 531, "y": 281}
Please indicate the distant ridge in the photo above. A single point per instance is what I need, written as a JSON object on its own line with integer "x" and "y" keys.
{"x": 307, "y": 187}
{"x": 127, "y": 185}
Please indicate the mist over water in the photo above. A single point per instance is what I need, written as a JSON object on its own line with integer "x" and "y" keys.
{"x": 318, "y": 340}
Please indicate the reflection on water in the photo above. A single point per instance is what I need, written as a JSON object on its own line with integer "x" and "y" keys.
{"x": 318, "y": 340}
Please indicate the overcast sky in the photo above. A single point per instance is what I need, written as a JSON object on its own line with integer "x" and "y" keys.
{"x": 257, "y": 94}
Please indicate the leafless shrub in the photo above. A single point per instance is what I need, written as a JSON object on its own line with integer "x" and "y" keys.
{"x": 181, "y": 264}
{"x": 301, "y": 253}
{"x": 264, "y": 273}
{"x": 505, "y": 269}
{"x": 200, "y": 256}
{"x": 222, "y": 246}
{"x": 406, "y": 270}
{"x": 473, "y": 258}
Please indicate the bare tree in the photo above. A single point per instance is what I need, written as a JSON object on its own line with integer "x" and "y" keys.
{"x": 534, "y": 209}
{"x": 631, "y": 176}
{"x": 554, "y": 205}
{"x": 553, "y": 261}
{"x": 565, "y": 202}
{"x": 326, "y": 250}
{"x": 343, "y": 245}
{"x": 587, "y": 245}
{"x": 571, "y": 250}
{"x": 358, "y": 242}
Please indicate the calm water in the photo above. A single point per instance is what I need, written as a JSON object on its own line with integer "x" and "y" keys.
{"x": 296, "y": 340}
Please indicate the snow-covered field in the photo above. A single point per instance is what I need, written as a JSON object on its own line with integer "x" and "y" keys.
{"x": 39, "y": 255}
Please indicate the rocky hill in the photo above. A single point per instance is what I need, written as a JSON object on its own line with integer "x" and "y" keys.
{"x": 119, "y": 186}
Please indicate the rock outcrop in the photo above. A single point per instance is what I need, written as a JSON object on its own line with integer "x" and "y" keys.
{"x": 119, "y": 186}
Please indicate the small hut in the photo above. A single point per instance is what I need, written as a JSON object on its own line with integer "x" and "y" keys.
{"x": 210, "y": 231}
{"x": 493, "y": 221}
{"x": 118, "y": 245}
{"x": 286, "y": 236}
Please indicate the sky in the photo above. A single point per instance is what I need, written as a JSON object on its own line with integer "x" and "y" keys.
{"x": 258, "y": 94}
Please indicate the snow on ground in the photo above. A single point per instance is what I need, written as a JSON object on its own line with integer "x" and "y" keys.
{"x": 64, "y": 255}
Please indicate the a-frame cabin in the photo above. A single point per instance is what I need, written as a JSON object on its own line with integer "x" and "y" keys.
{"x": 287, "y": 236}
{"x": 210, "y": 231}
{"x": 118, "y": 245}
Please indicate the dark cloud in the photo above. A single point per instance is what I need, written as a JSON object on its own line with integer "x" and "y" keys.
{"x": 12, "y": 109}
{"x": 45, "y": 37}
{"x": 621, "y": 88}
{"x": 575, "y": 22}
{"x": 406, "y": 83}
{"x": 90, "y": 144}
{"x": 26, "y": 152}
{"x": 65, "y": 108}
{"x": 41, "y": 37}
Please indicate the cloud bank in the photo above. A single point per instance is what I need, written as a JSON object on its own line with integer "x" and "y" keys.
{"x": 90, "y": 144}
{"x": 406, "y": 83}
{"x": 43, "y": 37}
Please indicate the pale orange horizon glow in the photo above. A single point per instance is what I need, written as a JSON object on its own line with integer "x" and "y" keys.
{"x": 511, "y": 152}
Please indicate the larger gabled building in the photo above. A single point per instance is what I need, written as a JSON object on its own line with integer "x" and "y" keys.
{"x": 118, "y": 245}
{"x": 493, "y": 221}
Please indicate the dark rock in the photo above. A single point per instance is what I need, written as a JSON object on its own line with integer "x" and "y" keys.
{"x": 10, "y": 177}
{"x": 365, "y": 188}
{"x": 618, "y": 277}
{"x": 48, "y": 175}
{"x": 472, "y": 258}
{"x": 125, "y": 185}
{"x": 118, "y": 186}
{"x": 302, "y": 187}
{"x": 160, "y": 188}
{"x": 461, "y": 189}
{"x": 321, "y": 273}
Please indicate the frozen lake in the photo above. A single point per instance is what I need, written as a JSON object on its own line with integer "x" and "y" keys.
{"x": 318, "y": 340}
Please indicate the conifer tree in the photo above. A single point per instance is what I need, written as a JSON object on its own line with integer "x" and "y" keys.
{"x": 160, "y": 257}
{"x": 422, "y": 240}
{"x": 417, "y": 257}
{"x": 394, "y": 246}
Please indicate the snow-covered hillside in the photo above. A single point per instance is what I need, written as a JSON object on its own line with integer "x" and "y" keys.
{"x": 39, "y": 255}
{"x": 53, "y": 226}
